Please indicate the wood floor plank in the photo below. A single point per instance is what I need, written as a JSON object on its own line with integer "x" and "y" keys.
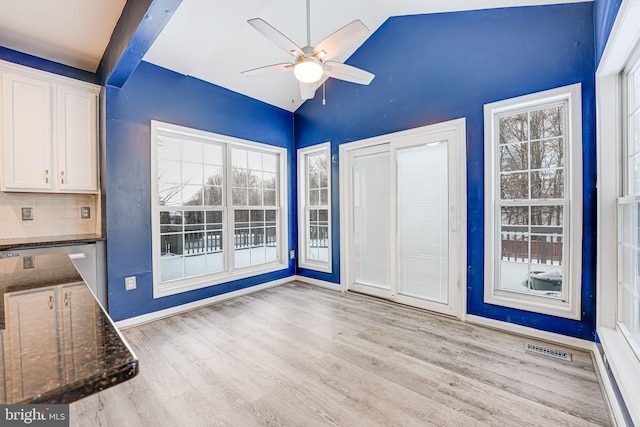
{"x": 299, "y": 355}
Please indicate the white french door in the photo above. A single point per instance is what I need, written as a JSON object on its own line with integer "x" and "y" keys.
{"x": 404, "y": 195}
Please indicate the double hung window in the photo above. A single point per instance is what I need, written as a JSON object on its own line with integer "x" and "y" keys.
{"x": 314, "y": 195}
{"x": 533, "y": 202}
{"x": 217, "y": 208}
{"x": 629, "y": 213}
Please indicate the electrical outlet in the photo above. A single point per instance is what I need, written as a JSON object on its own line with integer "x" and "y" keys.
{"x": 292, "y": 254}
{"x": 27, "y": 214}
{"x": 85, "y": 212}
{"x": 130, "y": 283}
{"x": 28, "y": 262}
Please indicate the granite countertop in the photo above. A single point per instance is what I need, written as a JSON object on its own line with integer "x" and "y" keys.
{"x": 48, "y": 241}
{"x": 57, "y": 344}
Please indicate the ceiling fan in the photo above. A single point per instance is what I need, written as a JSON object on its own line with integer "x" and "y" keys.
{"x": 311, "y": 64}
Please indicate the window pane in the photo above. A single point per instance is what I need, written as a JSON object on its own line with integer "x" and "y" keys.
{"x": 192, "y": 195}
{"x": 195, "y": 265}
{"x": 168, "y": 148}
{"x": 254, "y": 160}
{"x": 255, "y": 197}
{"x": 213, "y": 196}
{"x": 169, "y": 194}
{"x": 213, "y": 175}
{"x": 192, "y": 152}
{"x": 514, "y": 128}
{"x": 269, "y": 180}
{"x": 514, "y": 264}
{"x": 314, "y": 197}
{"x": 547, "y": 154}
{"x": 629, "y": 266}
{"x": 171, "y": 244}
{"x": 547, "y": 184}
{"x": 270, "y": 163}
{"x": 270, "y": 198}
{"x": 169, "y": 172}
{"x": 171, "y": 268}
{"x": 514, "y": 157}
{"x": 170, "y": 222}
{"x": 514, "y": 186}
{"x": 192, "y": 173}
{"x": 213, "y": 154}
{"x": 546, "y": 123}
{"x": 240, "y": 197}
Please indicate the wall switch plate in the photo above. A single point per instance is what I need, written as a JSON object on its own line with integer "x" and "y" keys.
{"x": 130, "y": 283}
{"x": 85, "y": 212}
{"x": 292, "y": 254}
{"x": 27, "y": 214}
{"x": 28, "y": 262}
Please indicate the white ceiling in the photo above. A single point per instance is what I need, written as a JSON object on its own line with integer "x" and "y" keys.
{"x": 71, "y": 32}
{"x": 209, "y": 39}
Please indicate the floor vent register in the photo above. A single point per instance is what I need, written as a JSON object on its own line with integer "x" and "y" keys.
{"x": 545, "y": 351}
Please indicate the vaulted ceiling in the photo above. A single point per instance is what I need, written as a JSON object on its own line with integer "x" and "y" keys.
{"x": 209, "y": 39}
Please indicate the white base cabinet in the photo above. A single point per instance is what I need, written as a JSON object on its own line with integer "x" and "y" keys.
{"x": 49, "y": 340}
{"x": 49, "y": 132}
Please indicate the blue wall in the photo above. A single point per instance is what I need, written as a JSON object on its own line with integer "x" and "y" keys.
{"x": 605, "y": 12}
{"x": 38, "y": 63}
{"x": 154, "y": 93}
{"x": 433, "y": 68}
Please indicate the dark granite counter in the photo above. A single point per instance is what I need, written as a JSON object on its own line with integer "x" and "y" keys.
{"x": 32, "y": 242}
{"x": 57, "y": 344}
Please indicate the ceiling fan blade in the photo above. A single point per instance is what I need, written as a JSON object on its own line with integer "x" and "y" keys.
{"x": 276, "y": 37}
{"x": 308, "y": 90}
{"x": 275, "y": 68}
{"x": 339, "y": 41}
{"x": 347, "y": 73}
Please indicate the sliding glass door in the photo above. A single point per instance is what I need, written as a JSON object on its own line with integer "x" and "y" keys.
{"x": 401, "y": 223}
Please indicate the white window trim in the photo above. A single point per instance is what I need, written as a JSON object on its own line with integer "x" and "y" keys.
{"x": 303, "y": 262}
{"x": 570, "y": 306}
{"x": 624, "y": 364}
{"x": 198, "y": 282}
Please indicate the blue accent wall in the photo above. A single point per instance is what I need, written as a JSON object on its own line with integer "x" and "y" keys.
{"x": 154, "y": 93}
{"x": 605, "y": 12}
{"x": 36, "y": 62}
{"x": 433, "y": 68}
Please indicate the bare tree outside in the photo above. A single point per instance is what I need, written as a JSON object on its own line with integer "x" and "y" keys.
{"x": 532, "y": 169}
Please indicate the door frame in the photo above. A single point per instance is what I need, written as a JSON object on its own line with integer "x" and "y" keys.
{"x": 455, "y": 132}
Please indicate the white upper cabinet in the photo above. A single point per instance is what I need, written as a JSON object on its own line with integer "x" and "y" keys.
{"x": 77, "y": 148}
{"x": 49, "y": 132}
{"x": 28, "y": 138}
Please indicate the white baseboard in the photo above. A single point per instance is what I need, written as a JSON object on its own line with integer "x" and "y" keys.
{"x": 531, "y": 332}
{"x": 156, "y": 315}
{"x": 317, "y": 282}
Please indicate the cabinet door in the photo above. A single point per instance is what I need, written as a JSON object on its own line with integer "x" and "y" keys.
{"x": 77, "y": 169}
{"x": 80, "y": 334}
{"x": 28, "y": 137}
{"x": 32, "y": 337}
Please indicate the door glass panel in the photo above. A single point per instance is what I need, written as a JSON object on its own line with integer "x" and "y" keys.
{"x": 371, "y": 219}
{"x": 423, "y": 222}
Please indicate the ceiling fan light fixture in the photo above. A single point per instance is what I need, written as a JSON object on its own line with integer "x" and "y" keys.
{"x": 308, "y": 70}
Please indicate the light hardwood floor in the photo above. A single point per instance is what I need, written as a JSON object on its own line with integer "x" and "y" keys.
{"x": 298, "y": 355}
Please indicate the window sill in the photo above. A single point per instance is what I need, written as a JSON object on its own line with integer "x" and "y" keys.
{"x": 172, "y": 288}
{"x": 625, "y": 367}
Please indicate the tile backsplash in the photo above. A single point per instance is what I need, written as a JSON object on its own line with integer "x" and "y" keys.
{"x": 53, "y": 214}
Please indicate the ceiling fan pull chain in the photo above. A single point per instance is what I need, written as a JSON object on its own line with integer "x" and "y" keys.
{"x": 324, "y": 100}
